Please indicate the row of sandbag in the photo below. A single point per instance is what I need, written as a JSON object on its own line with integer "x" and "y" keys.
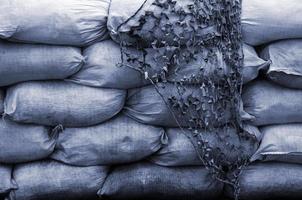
{"x": 100, "y": 65}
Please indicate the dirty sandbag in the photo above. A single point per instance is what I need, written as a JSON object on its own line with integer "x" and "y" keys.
{"x": 272, "y": 180}
{"x": 68, "y": 22}
{"x": 61, "y": 103}
{"x": 24, "y": 62}
{"x": 286, "y": 62}
{"x": 270, "y": 20}
{"x": 46, "y": 180}
{"x": 105, "y": 67}
{"x": 281, "y": 142}
{"x": 119, "y": 140}
{"x": 1, "y": 101}
{"x": 180, "y": 150}
{"x": 6, "y": 183}
{"x": 149, "y": 181}
{"x": 252, "y": 64}
{"x": 158, "y": 105}
{"x": 267, "y": 103}
{"x": 24, "y": 142}
{"x": 144, "y": 21}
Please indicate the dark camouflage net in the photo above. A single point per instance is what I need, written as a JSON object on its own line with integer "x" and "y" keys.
{"x": 197, "y": 43}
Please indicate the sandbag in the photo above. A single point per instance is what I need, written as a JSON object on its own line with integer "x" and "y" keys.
{"x": 6, "y": 183}
{"x": 252, "y": 64}
{"x": 149, "y": 181}
{"x": 68, "y": 22}
{"x": 268, "y": 103}
{"x": 119, "y": 140}
{"x": 286, "y": 67}
{"x": 24, "y": 62}
{"x": 270, "y": 20}
{"x": 46, "y": 180}
{"x": 58, "y": 102}
{"x": 273, "y": 180}
{"x": 147, "y": 106}
{"x": 180, "y": 150}
{"x": 1, "y": 101}
{"x": 280, "y": 143}
{"x": 24, "y": 142}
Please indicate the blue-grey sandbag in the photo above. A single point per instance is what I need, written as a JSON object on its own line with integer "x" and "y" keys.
{"x": 6, "y": 181}
{"x": 24, "y": 142}
{"x": 149, "y": 181}
{"x": 66, "y": 22}
{"x": 282, "y": 143}
{"x": 62, "y": 103}
{"x": 1, "y": 101}
{"x": 267, "y": 103}
{"x": 180, "y": 150}
{"x": 24, "y": 62}
{"x": 47, "y": 180}
{"x": 119, "y": 140}
{"x": 274, "y": 180}
{"x": 286, "y": 67}
{"x": 270, "y": 20}
{"x": 150, "y": 106}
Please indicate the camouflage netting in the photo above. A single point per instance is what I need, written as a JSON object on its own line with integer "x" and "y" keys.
{"x": 196, "y": 42}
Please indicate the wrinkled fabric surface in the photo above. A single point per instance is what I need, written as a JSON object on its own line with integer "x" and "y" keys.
{"x": 149, "y": 181}
{"x": 24, "y": 142}
{"x": 6, "y": 183}
{"x": 24, "y": 62}
{"x": 147, "y": 106}
{"x": 120, "y": 140}
{"x": 181, "y": 152}
{"x": 280, "y": 143}
{"x": 46, "y": 180}
{"x": 286, "y": 67}
{"x": 268, "y": 103}
{"x": 266, "y": 181}
{"x": 57, "y": 102}
{"x": 68, "y": 22}
{"x": 270, "y": 20}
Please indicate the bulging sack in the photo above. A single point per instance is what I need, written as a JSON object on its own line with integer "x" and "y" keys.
{"x": 155, "y": 107}
{"x": 180, "y": 151}
{"x": 286, "y": 67}
{"x": 120, "y": 140}
{"x": 268, "y": 103}
{"x": 270, "y": 20}
{"x": 24, "y": 62}
{"x": 6, "y": 183}
{"x": 47, "y": 180}
{"x": 270, "y": 181}
{"x": 58, "y": 102}
{"x": 68, "y": 22}
{"x": 252, "y": 64}
{"x": 149, "y": 181}
{"x": 24, "y": 142}
{"x": 280, "y": 143}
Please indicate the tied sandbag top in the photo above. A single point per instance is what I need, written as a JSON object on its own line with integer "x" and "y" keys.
{"x": 270, "y": 20}
{"x": 149, "y": 181}
{"x": 119, "y": 140}
{"x": 53, "y": 180}
{"x": 282, "y": 143}
{"x": 6, "y": 183}
{"x": 61, "y": 103}
{"x": 66, "y": 22}
{"x": 25, "y": 62}
{"x": 286, "y": 62}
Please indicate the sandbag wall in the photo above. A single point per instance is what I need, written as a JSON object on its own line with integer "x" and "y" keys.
{"x": 273, "y": 101}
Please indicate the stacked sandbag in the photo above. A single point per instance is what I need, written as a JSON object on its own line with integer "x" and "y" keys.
{"x": 7, "y": 183}
{"x": 54, "y": 180}
{"x": 117, "y": 141}
{"x": 149, "y": 181}
{"x": 68, "y": 22}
